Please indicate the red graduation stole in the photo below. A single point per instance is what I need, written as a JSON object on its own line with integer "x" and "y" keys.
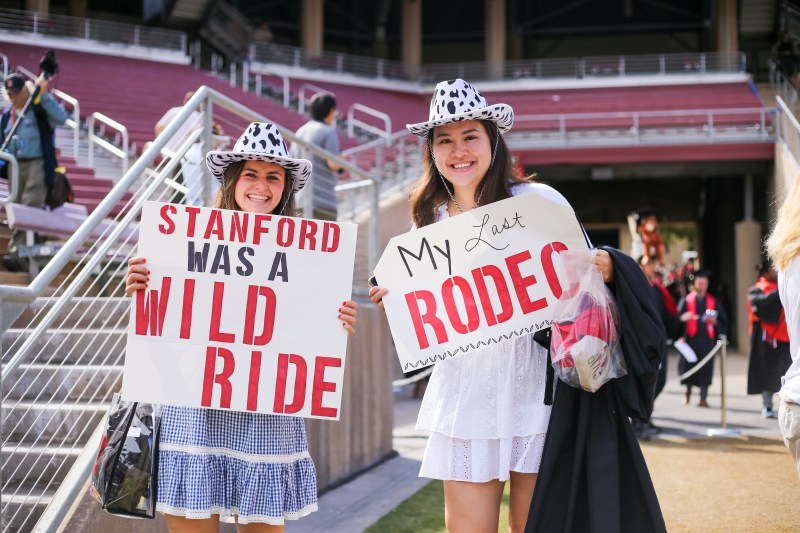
{"x": 691, "y": 305}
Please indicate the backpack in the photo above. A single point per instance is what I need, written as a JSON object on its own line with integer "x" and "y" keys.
{"x": 61, "y": 191}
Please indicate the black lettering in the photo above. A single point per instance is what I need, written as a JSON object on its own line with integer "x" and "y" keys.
{"x": 248, "y": 266}
{"x": 197, "y": 260}
{"x": 221, "y": 261}
{"x": 279, "y": 268}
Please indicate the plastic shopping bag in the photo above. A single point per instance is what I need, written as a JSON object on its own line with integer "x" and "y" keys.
{"x": 125, "y": 472}
{"x": 585, "y": 348}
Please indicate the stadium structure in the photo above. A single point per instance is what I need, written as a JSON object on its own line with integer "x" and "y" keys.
{"x": 681, "y": 106}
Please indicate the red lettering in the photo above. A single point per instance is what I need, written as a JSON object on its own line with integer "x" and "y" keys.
{"x": 469, "y": 301}
{"x": 252, "y": 384}
{"x": 222, "y": 379}
{"x": 166, "y": 210}
{"x": 285, "y": 225}
{"x": 150, "y": 309}
{"x": 521, "y": 283}
{"x": 506, "y": 307}
{"x": 214, "y": 333}
{"x": 307, "y": 230}
{"x": 260, "y": 229}
{"x": 549, "y": 268}
{"x": 192, "y": 212}
{"x": 321, "y": 386}
{"x": 186, "y": 314}
{"x": 330, "y": 237}
{"x": 253, "y": 292}
{"x": 301, "y": 373}
{"x": 214, "y": 226}
{"x": 430, "y": 318}
{"x": 239, "y": 226}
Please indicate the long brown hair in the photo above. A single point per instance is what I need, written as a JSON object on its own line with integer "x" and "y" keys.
{"x": 226, "y": 195}
{"x": 430, "y": 192}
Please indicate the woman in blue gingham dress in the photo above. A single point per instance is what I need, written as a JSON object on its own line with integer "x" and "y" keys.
{"x": 229, "y": 466}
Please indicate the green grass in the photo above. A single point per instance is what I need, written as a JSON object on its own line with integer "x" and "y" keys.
{"x": 424, "y": 513}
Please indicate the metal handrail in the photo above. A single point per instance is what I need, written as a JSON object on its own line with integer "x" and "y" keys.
{"x": 586, "y": 67}
{"x": 385, "y": 133}
{"x": 787, "y": 129}
{"x": 84, "y": 29}
{"x": 75, "y": 121}
{"x": 301, "y": 95}
{"x": 629, "y": 127}
{"x": 5, "y": 65}
{"x": 114, "y": 245}
{"x": 12, "y": 176}
{"x": 94, "y": 139}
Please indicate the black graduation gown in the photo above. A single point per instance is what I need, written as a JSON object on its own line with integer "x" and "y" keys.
{"x": 593, "y": 477}
{"x": 701, "y": 343}
{"x": 768, "y": 362}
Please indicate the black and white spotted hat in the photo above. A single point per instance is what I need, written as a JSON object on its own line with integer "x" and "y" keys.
{"x": 457, "y": 100}
{"x": 261, "y": 141}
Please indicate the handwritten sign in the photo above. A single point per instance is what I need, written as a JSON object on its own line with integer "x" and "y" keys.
{"x": 476, "y": 279}
{"x": 240, "y": 312}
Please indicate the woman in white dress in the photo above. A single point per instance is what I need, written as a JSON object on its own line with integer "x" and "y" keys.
{"x": 485, "y": 410}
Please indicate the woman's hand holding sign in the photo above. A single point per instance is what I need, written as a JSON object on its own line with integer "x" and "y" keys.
{"x": 376, "y": 294}
{"x": 138, "y": 275}
{"x": 347, "y": 314}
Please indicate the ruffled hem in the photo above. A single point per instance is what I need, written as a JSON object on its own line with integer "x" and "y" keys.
{"x": 232, "y": 516}
{"x": 200, "y": 485}
{"x": 481, "y": 460}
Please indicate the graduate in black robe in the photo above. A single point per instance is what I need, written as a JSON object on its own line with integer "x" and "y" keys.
{"x": 593, "y": 477}
{"x": 769, "y": 339}
{"x": 704, "y": 321}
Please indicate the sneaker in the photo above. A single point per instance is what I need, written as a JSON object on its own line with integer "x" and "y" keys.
{"x": 767, "y": 412}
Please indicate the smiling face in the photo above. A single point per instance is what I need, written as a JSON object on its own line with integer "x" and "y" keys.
{"x": 463, "y": 153}
{"x": 259, "y": 187}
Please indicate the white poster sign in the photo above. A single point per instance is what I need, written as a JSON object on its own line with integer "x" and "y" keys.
{"x": 477, "y": 278}
{"x": 240, "y": 312}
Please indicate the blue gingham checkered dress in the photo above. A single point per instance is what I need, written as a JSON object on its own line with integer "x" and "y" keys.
{"x": 248, "y": 465}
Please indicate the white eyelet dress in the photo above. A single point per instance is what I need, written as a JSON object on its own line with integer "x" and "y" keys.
{"x": 485, "y": 410}
{"x": 248, "y": 466}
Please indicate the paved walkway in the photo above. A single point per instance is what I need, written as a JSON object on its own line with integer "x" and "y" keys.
{"x": 357, "y": 505}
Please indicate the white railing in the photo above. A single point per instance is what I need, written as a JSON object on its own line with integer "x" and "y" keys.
{"x": 67, "y": 101}
{"x": 642, "y": 127}
{"x": 12, "y": 175}
{"x": 121, "y": 151}
{"x": 103, "y": 31}
{"x": 577, "y": 68}
{"x": 787, "y": 129}
{"x": 59, "y": 374}
{"x": 384, "y": 133}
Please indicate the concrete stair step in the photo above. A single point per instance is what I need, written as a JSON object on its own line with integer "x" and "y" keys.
{"x": 32, "y": 422}
{"x": 81, "y": 313}
{"x": 22, "y": 507}
{"x": 66, "y": 346}
{"x": 21, "y": 462}
{"x": 53, "y": 382}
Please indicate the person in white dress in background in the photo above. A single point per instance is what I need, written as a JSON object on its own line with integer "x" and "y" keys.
{"x": 485, "y": 410}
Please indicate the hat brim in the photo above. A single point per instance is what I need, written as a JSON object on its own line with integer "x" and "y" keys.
{"x": 500, "y": 114}
{"x": 300, "y": 169}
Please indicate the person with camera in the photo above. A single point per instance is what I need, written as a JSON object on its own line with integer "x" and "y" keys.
{"x": 704, "y": 320}
{"x": 32, "y": 143}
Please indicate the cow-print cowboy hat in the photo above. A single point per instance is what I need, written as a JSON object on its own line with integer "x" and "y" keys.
{"x": 457, "y": 100}
{"x": 261, "y": 141}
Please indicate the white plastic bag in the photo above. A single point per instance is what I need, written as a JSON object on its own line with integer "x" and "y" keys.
{"x": 585, "y": 348}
